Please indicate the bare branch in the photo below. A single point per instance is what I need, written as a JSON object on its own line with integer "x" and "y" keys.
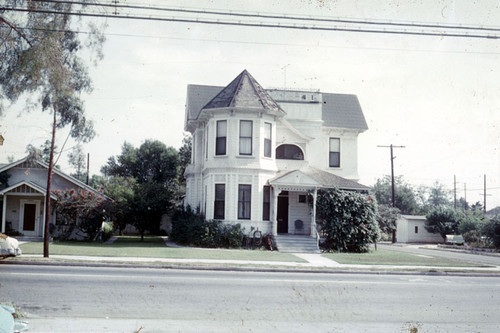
{"x": 19, "y": 32}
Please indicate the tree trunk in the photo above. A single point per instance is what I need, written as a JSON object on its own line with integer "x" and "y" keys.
{"x": 49, "y": 182}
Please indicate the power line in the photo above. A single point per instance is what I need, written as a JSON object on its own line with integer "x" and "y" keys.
{"x": 115, "y": 5}
{"x": 273, "y": 25}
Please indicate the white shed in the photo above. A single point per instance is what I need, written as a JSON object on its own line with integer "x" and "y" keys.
{"x": 411, "y": 229}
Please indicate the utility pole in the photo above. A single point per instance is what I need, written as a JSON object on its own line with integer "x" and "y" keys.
{"x": 465, "y": 196}
{"x": 392, "y": 182}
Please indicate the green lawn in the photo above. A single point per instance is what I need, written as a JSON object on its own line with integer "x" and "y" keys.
{"x": 386, "y": 257}
{"x": 153, "y": 247}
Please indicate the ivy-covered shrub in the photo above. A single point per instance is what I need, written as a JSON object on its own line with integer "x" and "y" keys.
{"x": 347, "y": 219}
{"x": 190, "y": 228}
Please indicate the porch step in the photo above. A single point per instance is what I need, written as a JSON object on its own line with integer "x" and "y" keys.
{"x": 296, "y": 244}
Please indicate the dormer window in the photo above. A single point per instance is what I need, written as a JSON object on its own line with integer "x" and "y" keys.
{"x": 246, "y": 137}
{"x": 221, "y": 137}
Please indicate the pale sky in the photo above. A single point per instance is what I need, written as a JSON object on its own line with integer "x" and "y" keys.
{"x": 437, "y": 96}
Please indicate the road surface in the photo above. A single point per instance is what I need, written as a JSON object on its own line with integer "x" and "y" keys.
{"x": 87, "y": 299}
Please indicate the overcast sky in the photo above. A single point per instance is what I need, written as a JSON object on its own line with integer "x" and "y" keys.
{"x": 437, "y": 96}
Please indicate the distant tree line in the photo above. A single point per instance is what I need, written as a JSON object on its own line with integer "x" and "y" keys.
{"x": 436, "y": 203}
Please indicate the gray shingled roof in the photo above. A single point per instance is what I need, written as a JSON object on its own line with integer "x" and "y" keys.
{"x": 326, "y": 179}
{"x": 339, "y": 110}
{"x": 342, "y": 110}
{"x": 197, "y": 97}
{"x": 244, "y": 91}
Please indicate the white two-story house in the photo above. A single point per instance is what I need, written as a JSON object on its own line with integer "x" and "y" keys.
{"x": 258, "y": 154}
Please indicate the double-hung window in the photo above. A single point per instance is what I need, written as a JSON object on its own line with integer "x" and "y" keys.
{"x": 246, "y": 137}
{"x": 266, "y": 204}
{"x": 268, "y": 128}
{"x": 219, "y": 204}
{"x": 244, "y": 201}
{"x": 221, "y": 137}
{"x": 334, "y": 158}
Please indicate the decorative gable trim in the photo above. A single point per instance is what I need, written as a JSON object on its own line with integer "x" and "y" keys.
{"x": 26, "y": 187}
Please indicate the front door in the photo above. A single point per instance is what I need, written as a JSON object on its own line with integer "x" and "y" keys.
{"x": 282, "y": 215}
{"x": 28, "y": 225}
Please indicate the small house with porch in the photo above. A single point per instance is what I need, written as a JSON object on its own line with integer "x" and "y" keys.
{"x": 259, "y": 156}
{"x": 23, "y": 196}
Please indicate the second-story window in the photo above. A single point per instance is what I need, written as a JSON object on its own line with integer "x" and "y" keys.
{"x": 246, "y": 137}
{"x": 268, "y": 128}
{"x": 334, "y": 158}
{"x": 221, "y": 137}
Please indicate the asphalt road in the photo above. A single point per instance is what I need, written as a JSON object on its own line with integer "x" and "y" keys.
{"x": 85, "y": 299}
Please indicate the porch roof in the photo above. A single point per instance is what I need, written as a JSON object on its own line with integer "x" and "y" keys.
{"x": 310, "y": 177}
{"x": 29, "y": 184}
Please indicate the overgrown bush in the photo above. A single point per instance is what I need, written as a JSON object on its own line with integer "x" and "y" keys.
{"x": 468, "y": 221}
{"x": 491, "y": 229}
{"x": 442, "y": 220}
{"x": 82, "y": 210}
{"x": 348, "y": 220}
{"x": 190, "y": 228}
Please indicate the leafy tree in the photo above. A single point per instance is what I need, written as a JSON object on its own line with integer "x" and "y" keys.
{"x": 442, "y": 220}
{"x": 438, "y": 195}
{"x": 184, "y": 157}
{"x": 387, "y": 217}
{"x": 77, "y": 160}
{"x": 348, "y": 220}
{"x": 153, "y": 167}
{"x": 42, "y": 153}
{"x": 152, "y": 161}
{"x": 404, "y": 195}
{"x": 121, "y": 189}
{"x": 39, "y": 53}
{"x": 151, "y": 201}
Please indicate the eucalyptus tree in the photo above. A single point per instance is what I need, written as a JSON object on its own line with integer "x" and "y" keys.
{"x": 39, "y": 61}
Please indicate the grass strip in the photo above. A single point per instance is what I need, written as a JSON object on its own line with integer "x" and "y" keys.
{"x": 386, "y": 257}
{"x": 153, "y": 247}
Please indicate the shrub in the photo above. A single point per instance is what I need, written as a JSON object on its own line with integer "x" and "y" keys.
{"x": 491, "y": 230}
{"x": 468, "y": 222}
{"x": 442, "y": 220}
{"x": 190, "y": 228}
{"x": 107, "y": 231}
{"x": 348, "y": 221}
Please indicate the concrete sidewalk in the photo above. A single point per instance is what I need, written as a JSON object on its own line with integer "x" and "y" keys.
{"x": 315, "y": 263}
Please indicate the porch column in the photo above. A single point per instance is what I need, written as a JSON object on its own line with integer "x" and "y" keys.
{"x": 275, "y": 211}
{"x": 4, "y": 211}
{"x": 313, "y": 222}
